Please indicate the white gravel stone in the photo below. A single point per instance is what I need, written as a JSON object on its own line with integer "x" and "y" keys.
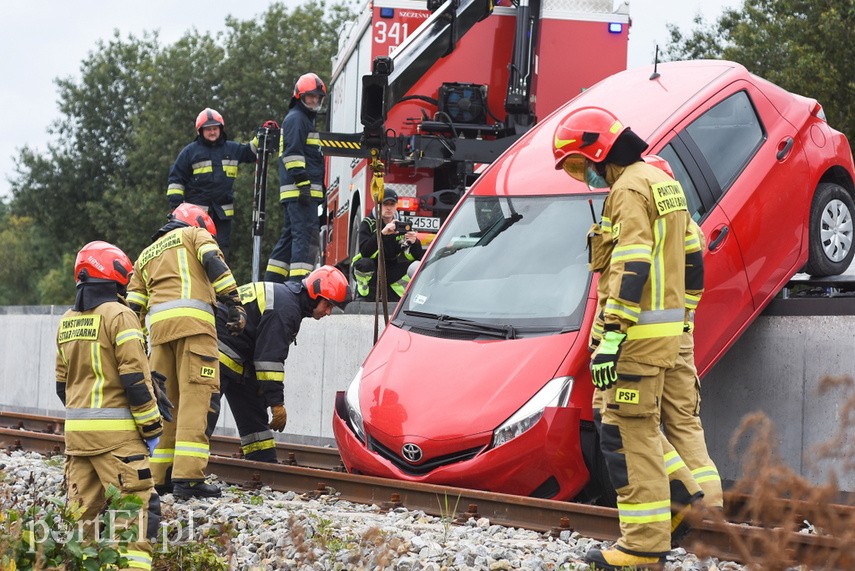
{"x": 276, "y": 530}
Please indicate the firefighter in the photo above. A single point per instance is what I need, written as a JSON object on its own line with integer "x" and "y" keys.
{"x": 400, "y": 250}
{"x": 301, "y": 190}
{"x": 252, "y": 364}
{"x": 639, "y": 250}
{"x": 681, "y": 399}
{"x": 204, "y": 173}
{"x": 177, "y": 282}
{"x": 112, "y": 416}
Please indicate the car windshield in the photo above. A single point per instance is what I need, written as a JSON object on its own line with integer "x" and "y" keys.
{"x": 519, "y": 263}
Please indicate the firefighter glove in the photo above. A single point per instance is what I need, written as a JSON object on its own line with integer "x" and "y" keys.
{"x": 164, "y": 405}
{"x": 152, "y": 443}
{"x": 604, "y": 360}
{"x": 279, "y": 417}
{"x": 305, "y": 198}
{"x": 237, "y": 319}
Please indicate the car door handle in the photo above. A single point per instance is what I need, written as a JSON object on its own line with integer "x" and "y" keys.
{"x": 719, "y": 239}
{"x": 784, "y": 148}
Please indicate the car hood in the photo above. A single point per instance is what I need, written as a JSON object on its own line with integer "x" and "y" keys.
{"x": 427, "y": 387}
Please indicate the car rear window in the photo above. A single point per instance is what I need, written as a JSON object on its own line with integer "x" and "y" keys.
{"x": 728, "y": 135}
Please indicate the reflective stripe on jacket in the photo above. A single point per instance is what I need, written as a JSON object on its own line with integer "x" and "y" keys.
{"x": 205, "y": 174}
{"x": 642, "y": 286}
{"x": 171, "y": 285}
{"x": 301, "y": 162}
{"x": 102, "y": 364}
{"x": 274, "y": 313}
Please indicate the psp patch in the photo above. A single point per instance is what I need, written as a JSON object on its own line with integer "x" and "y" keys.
{"x": 627, "y": 396}
{"x": 208, "y": 372}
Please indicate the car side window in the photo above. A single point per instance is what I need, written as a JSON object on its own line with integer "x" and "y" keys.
{"x": 696, "y": 207}
{"x": 728, "y": 135}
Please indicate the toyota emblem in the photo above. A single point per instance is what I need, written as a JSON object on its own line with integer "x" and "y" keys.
{"x": 411, "y": 453}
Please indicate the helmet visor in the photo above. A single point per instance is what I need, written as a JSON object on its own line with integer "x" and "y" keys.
{"x": 574, "y": 165}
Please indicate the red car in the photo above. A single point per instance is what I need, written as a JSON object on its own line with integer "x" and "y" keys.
{"x": 481, "y": 379}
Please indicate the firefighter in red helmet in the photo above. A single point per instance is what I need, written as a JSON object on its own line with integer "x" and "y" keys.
{"x": 641, "y": 249}
{"x": 301, "y": 184}
{"x": 252, "y": 364}
{"x": 205, "y": 170}
{"x": 113, "y": 421}
{"x": 177, "y": 282}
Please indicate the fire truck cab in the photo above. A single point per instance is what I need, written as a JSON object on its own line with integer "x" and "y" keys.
{"x": 441, "y": 89}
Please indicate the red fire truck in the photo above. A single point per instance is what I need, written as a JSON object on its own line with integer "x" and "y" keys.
{"x": 438, "y": 89}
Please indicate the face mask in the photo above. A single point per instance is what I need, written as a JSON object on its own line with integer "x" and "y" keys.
{"x": 594, "y": 179}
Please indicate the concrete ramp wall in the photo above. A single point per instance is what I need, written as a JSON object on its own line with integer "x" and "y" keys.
{"x": 775, "y": 368}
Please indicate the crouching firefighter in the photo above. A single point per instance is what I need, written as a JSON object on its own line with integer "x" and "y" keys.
{"x": 112, "y": 418}
{"x": 177, "y": 282}
{"x": 252, "y": 364}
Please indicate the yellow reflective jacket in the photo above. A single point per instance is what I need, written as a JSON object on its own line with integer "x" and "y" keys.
{"x": 176, "y": 282}
{"x": 640, "y": 249}
{"x": 103, "y": 373}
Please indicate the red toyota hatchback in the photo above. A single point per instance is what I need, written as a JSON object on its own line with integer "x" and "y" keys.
{"x": 481, "y": 379}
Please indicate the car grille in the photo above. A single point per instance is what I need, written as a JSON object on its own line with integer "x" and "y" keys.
{"x": 428, "y": 466}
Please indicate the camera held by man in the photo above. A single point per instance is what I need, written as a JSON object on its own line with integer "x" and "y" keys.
{"x": 402, "y": 227}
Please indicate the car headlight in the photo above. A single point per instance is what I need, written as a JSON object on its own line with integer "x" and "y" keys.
{"x": 555, "y": 393}
{"x": 354, "y": 413}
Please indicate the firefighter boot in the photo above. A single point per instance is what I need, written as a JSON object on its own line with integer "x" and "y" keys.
{"x": 681, "y": 519}
{"x": 195, "y": 489}
{"x": 616, "y": 558}
{"x": 166, "y": 486}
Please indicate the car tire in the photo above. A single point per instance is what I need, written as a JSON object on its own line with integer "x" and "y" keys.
{"x": 831, "y": 232}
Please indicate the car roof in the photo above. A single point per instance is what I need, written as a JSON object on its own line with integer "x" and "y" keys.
{"x": 650, "y": 107}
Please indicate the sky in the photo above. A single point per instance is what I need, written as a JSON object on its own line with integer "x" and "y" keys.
{"x": 44, "y": 40}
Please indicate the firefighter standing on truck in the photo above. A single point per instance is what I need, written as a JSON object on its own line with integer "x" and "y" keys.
{"x": 177, "y": 281}
{"x": 400, "y": 249}
{"x": 301, "y": 184}
{"x": 103, "y": 379}
{"x": 640, "y": 249}
{"x": 204, "y": 173}
{"x": 252, "y": 364}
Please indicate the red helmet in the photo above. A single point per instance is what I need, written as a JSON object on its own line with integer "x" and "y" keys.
{"x": 309, "y": 83}
{"x": 589, "y": 132}
{"x": 659, "y": 163}
{"x": 195, "y": 216}
{"x": 102, "y": 261}
{"x": 329, "y": 283}
{"x": 209, "y": 118}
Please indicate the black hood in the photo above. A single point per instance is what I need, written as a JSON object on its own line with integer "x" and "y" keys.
{"x": 627, "y": 149}
{"x": 168, "y": 227}
{"x": 91, "y": 294}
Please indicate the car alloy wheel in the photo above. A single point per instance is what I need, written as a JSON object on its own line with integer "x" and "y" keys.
{"x": 832, "y": 229}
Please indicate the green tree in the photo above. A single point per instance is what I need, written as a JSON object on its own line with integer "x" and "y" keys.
{"x": 125, "y": 120}
{"x": 805, "y": 46}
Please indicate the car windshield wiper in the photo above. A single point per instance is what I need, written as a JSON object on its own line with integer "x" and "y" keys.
{"x": 465, "y": 325}
{"x": 417, "y": 313}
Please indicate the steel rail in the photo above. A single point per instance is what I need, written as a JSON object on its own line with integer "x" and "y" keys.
{"x": 292, "y": 454}
{"x": 727, "y": 541}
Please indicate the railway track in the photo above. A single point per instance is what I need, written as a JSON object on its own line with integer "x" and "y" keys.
{"x": 317, "y": 471}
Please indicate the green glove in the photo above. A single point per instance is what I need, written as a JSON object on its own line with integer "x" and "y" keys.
{"x": 604, "y": 360}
